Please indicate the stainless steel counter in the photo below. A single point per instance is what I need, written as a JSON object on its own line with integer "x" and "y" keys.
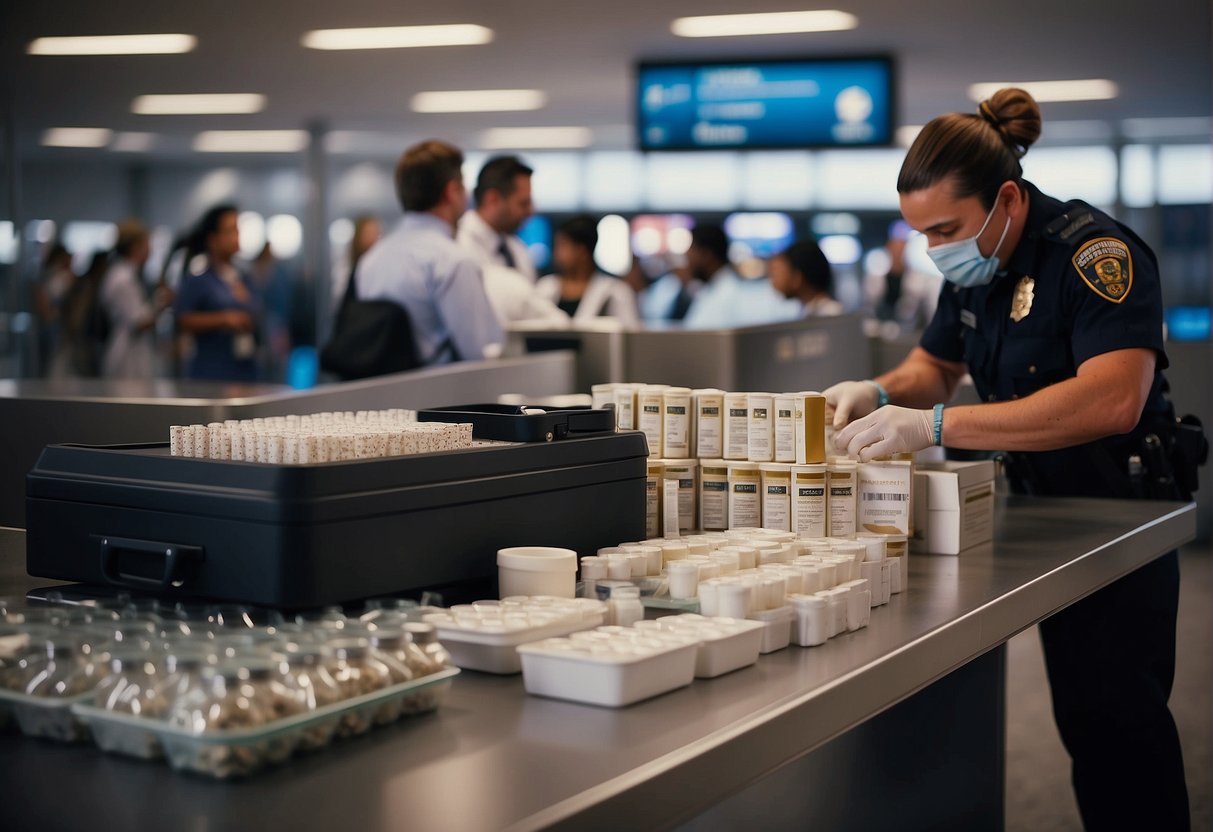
{"x": 494, "y": 758}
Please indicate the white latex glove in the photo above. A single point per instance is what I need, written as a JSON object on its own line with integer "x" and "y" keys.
{"x": 890, "y": 430}
{"x": 851, "y": 400}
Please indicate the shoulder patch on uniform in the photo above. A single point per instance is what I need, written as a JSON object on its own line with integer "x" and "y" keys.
{"x": 1106, "y": 266}
{"x": 1067, "y": 225}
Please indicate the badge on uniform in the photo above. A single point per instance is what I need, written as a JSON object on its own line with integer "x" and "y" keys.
{"x": 1021, "y": 304}
{"x": 1106, "y": 266}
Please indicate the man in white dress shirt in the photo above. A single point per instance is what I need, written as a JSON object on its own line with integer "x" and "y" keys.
{"x": 503, "y": 205}
{"x": 421, "y": 267}
{"x": 727, "y": 300}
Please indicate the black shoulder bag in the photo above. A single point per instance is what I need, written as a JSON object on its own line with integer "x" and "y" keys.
{"x": 370, "y": 338}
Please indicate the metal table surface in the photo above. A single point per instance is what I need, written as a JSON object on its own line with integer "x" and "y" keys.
{"x": 494, "y": 758}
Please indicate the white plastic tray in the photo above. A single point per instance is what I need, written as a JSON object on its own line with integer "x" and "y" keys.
{"x": 725, "y": 644}
{"x": 561, "y": 669}
{"x": 227, "y": 754}
{"x": 778, "y": 627}
{"x": 493, "y": 648}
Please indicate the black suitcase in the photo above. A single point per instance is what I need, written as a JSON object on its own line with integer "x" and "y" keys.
{"x": 293, "y": 536}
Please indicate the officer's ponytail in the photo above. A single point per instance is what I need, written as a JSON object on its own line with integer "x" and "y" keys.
{"x": 979, "y": 151}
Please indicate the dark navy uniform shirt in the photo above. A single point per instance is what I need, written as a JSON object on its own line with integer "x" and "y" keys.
{"x": 1077, "y": 285}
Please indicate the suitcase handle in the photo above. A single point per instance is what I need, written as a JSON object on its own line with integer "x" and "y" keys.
{"x": 174, "y": 556}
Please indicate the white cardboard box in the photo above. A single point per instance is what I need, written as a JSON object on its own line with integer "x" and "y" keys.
{"x": 953, "y": 506}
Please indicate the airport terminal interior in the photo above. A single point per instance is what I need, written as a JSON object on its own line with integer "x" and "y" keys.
{"x": 671, "y": 200}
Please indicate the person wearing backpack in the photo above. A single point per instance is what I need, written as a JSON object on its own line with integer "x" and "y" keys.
{"x": 419, "y": 266}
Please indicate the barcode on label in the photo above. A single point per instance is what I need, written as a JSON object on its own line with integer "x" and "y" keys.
{"x": 896, "y": 498}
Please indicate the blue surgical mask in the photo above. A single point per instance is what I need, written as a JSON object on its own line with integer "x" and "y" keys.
{"x": 962, "y": 262}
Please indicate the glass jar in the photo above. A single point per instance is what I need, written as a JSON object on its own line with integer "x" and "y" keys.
{"x": 357, "y": 672}
{"x": 67, "y": 670}
{"x": 426, "y": 637}
{"x": 332, "y": 618}
{"x": 225, "y": 697}
{"x": 22, "y": 653}
{"x": 134, "y": 686}
{"x": 183, "y": 667}
{"x": 389, "y": 647}
{"x": 306, "y": 670}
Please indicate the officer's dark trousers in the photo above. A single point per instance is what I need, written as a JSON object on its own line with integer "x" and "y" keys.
{"x": 1111, "y": 661}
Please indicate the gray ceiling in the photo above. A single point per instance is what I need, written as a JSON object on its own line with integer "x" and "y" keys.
{"x": 582, "y": 54}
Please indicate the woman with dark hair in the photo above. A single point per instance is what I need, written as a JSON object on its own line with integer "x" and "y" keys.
{"x": 1055, "y": 310}
{"x": 579, "y": 288}
{"x": 801, "y": 272}
{"x": 215, "y": 304}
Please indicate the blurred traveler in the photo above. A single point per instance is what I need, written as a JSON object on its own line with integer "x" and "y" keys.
{"x": 273, "y": 288}
{"x": 129, "y": 350}
{"x": 516, "y": 299}
{"x": 899, "y": 286}
{"x": 421, "y": 267}
{"x": 579, "y": 288}
{"x": 54, "y": 281}
{"x": 669, "y": 297}
{"x": 367, "y": 231}
{"x": 85, "y": 324}
{"x": 728, "y": 300}
{"x": 801, "y": 272}
{"x": 503, "y": 205}
{"x": 216, "y": 304}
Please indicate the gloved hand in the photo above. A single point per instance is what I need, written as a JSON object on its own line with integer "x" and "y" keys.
{"x": 851, "y": 400}
{"x": 890, "y": 430}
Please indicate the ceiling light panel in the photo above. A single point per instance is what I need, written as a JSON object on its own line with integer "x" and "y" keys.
{"x": 198, "y": 104}
{"x": 114, "y": 45}
{"x": 1085, "y": 89}
{"x": 763, "y": 23}
{"x": 77, "y": 137}
{"x": 535, "y": 138}
{"x": 478, "y": 101}
{"x": 251, "y": 141}
{"x": 399, "y": 37}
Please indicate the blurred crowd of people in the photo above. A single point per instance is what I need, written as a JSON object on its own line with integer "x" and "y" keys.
{"x": 455, "y": 264}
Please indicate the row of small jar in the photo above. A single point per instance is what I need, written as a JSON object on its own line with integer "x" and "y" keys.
{"x": 49, "y": 661}
{"x": 681, "y": 423}
{"x": 327, "y": 443}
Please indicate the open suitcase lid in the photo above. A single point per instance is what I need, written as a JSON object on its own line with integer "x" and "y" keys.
{"x": 524, "y": 423}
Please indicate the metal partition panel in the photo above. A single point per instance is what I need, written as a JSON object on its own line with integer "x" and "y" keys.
{"x": 34, "y": 414}
{"x": 808, "y": 354}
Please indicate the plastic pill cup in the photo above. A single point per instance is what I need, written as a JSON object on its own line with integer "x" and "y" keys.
{"x": 652, "y": 558}
{"x": 683, "y": 578}
{"x": 674, "y": 550}
{"x": 875, "y": 544}
{"x": 709, "y": 595}
{"x": 812, "y": 620}
{"x": 594, "y": 568}
{"x": 619, "y": 568}
{"x": 537, "y": 570}
{"x": 733, "y": 599}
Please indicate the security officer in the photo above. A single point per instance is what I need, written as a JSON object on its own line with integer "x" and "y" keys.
{"x": 1056, "y": 312}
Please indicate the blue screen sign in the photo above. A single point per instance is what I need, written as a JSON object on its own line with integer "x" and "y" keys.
{"x": 769, "y": 104}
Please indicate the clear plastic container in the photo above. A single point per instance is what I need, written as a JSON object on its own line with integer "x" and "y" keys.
{"x": 357, "y": 672}
{"x": 426, "y": 637}
{"x": 65, "y": 676}
{"x": 388, "y": 647}
{"x": 232, "y": 697}
{"x": 136, "y": 687}
{"x": 306, "y": 669}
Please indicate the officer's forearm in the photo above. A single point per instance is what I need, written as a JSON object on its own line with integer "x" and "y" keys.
{"x": 1106, "y": 398}
{"x": 921, "y": 380}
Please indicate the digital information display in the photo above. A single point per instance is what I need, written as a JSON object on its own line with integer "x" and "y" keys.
{"x": 765, "y": 104}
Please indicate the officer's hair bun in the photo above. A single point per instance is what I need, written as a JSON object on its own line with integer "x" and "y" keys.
{"x": 1015, "y": 114}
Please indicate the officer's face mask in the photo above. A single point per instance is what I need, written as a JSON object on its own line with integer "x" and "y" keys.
{"x": 962, "y": 262}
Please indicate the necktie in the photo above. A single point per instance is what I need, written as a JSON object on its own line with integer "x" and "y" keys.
{"x": 506, "y": 255}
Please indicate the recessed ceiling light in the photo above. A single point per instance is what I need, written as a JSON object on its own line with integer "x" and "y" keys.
{"x": 198, "y": 104}
{"x": 1086, "y": 89}
{"x": 478, "y": 101}
{"x": 114, "y": 45}
{"x": 77, "y": 137}
{"x": 531, "y": 138}
{"x": 133, "y": 142}
{"x": 251, "y": 141}
{"x": 763, "y": 23}
{"x": 399, "y": 37}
